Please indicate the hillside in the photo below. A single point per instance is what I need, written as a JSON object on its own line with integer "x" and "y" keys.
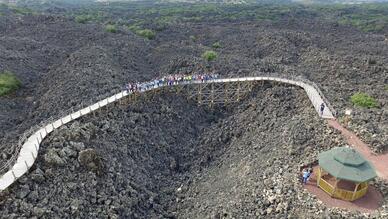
{"x": 165, "y": 156}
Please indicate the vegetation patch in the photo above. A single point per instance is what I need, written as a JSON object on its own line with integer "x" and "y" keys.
{"x": 216, "y": 45}
{"x": 111, "y": 28}
{"x": 146, "y": 33}
{"x": 209, "y": 55}
{"x": 371, "y": 17}
{"x": 364, "y": 100}
{"x": 193, "y": 38}
{"x": 83, "y": 18}
{"x": 8, "y": 83}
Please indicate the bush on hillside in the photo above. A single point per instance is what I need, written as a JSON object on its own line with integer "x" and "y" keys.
{"x": 146, "y": 33}
{"x": 8, "y": 83}
{"x": 209, "y": 55}
{"x": 363, "y": 100}
{"x": 111, "y": 28}
{"x": 216, "y": 45}
{"x": 193, "y": 38}
{"x": 83, "y": 18}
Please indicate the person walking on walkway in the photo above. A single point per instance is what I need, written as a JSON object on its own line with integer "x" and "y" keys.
{"x": 322, "y": 108}
{"x": 305, "y": 175}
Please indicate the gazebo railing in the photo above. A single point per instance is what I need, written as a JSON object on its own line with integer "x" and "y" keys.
{"x": 326, "y": 186}
{"x": 362, "y": 191}
{"x": 323, "y": 184}
{"x": 341, "y": 193}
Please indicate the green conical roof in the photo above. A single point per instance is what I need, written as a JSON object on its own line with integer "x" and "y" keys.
{"x": 346, "y": 163}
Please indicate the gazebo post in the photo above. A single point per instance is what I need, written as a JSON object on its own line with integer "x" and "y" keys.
{"x": 319, "y": 175}
{"x": 335, "y": 187}
{"x": 355, "y": 191}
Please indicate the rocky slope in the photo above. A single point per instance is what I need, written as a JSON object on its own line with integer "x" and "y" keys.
{"x": 163, "y": 156}
{"x": 168, "y": 157}
{"x": 62, "y": 64}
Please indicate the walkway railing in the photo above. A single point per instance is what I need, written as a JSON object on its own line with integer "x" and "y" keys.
{"x": 30, "y": 142}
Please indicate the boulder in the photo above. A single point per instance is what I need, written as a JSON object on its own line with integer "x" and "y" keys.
{"x": 90, "y": 159}
{"x": 52, "y": 158}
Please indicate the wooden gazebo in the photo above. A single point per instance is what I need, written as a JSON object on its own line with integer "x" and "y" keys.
{"x": 343, "y": 173}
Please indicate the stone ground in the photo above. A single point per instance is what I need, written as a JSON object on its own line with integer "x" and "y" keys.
{"x": 163, "y": 156}
{"x": 171, "y": 158}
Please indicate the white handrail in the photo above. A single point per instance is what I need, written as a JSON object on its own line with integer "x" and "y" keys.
{"x": 30, "y": 148}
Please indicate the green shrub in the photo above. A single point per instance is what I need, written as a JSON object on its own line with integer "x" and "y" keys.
{"x": 146, "y": 33}
{"x": 363, "y": 100}
{"x": 193, "y": 38}
{"x": 8, "y": 83}
{"x": 216, "y": 45}
{"x": 83, "y": 18}
{"x": 209, "y": 55}
{"x": 134, "y": 28}
{"x": 386, "y": 87}
{"x": 111, "y": 28}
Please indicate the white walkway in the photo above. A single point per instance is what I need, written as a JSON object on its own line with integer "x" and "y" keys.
{"x": 30, "y": 148}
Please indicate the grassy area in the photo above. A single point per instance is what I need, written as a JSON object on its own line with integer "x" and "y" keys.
{"x": 111, "y": 28}
{"x": 8, "y": 83}
{"x": 209, "y": 55}
{"x": 366, "y": 17}
{"x": 15, "y": 9}
{"x": 363, "y": 100}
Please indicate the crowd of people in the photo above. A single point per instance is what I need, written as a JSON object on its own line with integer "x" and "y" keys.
{"x": 169, "y": 81}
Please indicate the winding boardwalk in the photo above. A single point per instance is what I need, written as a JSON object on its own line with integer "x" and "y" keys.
{"x": 30, "y": 148}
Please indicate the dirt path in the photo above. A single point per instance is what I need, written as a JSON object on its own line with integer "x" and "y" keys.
{"x": 380, "y": 162}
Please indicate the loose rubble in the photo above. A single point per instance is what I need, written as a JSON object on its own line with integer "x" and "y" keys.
{"x": 164, "y": 156}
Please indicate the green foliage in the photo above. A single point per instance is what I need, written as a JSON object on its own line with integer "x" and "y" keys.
{"x": 193, "y": 38}
{"x": 209, "y": 55}
{"x": 83, "y": 18}
{"x": 365, "y": 17}
{"x": 19, "y": 10}
{"x": 386, "y": 87}
{"x": 216, "y": 45}
{"x": 363, "y": 100}
{"x": 14, "y": 9}
{"x": 134, "y": 28}
{"x": 146, "y": 33}
{"x": 8, "y": 83}
{"x": 111, "y": 28}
